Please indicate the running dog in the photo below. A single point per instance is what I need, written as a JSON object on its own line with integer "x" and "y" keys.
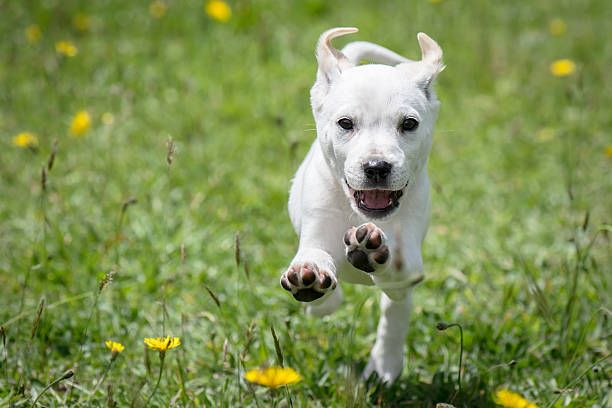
{"x": 360, "y": 200}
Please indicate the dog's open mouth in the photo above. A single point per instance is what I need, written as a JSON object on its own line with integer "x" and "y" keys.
{"x": 376, "y": 203}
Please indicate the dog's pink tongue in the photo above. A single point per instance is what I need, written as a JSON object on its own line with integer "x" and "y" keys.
{"x": 376, "y": 199}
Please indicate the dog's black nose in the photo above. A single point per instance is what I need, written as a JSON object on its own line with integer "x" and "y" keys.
{"x": 377, "y": 170}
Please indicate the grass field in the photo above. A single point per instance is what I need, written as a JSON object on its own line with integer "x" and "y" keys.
{"x": 518, "y": 250}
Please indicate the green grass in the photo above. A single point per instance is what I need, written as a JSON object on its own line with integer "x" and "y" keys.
{"x": 518, "y": 250}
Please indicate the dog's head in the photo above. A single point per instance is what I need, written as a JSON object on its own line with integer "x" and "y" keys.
{"x": 375, "y": 122}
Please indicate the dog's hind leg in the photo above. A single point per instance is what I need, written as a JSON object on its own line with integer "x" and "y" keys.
{"x": 387, "y": 355}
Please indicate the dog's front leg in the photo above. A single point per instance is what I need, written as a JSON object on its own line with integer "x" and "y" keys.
{"x": 310, "y": 276}
{"x": 387, "y": 355}
{"x": 366, "y": 248}
{"x": 312, "y": 272}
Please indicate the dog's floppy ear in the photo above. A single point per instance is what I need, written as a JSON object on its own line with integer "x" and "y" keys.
{"x": 331, "y": 63}
{"x": 432, "y": 57}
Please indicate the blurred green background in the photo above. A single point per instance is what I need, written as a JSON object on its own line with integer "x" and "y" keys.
{"x": 518, "y": 250}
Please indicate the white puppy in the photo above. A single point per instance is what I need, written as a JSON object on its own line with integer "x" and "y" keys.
{"x": 368, "y": 164}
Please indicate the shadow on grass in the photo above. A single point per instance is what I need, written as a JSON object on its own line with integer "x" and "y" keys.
{"x": 410, "y": 392}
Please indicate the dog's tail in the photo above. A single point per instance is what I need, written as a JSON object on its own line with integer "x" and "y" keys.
{"x": 363, "y": 50}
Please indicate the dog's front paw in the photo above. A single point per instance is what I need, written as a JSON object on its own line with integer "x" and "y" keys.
{"x": 307, "y": 282}
{"x": 365, "y": 247}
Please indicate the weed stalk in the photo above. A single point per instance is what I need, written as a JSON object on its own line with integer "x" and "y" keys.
{"x": 65, "y": 376}
{"x": 443, "y": 326}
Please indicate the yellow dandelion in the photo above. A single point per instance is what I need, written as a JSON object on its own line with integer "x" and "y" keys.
{"x": 66, "y": 48}
{"x": 80, "y": 123}
{"x": 609, "y": 151}
{"x": 81, "y": 22}
{"x": 162, "y": 343}
{"x": 33, "y": 33}
{"x": 157, "y": 9}
{"x": 273, "y": 377}
{"x": 557, "y": 26}
{"x": 108, "y": 118}
{"x": 219, "y": 10}
{"x": 509, "y": 399}
{"x": 25, "y": 139}
{"x": 435, "y": 1}
{"x": 114, "y": 347}
{"x": 562, "y": 67}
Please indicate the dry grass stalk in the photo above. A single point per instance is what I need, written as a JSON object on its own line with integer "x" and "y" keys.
{"x": 237, "y": 248}
{"x": 43, "y": 178}
{"x": 247, "y": 343}
{"x": 279, "y": 353}
{"x": 52, "y": 156}
{"x": 108, "y": 278}
{"x": 225, "y": 351}
{"x": 213, "y": 296}
{"x": 171, "y": 149}
{"x": 39, "y": 311}
{"x": 127, "y": 203}
{"x": 508, "y": 364}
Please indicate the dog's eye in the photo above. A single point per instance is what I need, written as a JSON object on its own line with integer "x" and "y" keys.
{"x": 345, "y": 123}
{"x": 409, "y": 124}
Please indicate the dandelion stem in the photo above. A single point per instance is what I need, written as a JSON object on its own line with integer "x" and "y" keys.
{"x": 162, "y": 357}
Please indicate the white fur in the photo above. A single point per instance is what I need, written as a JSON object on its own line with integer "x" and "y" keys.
{"x": 377, "y": 98}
